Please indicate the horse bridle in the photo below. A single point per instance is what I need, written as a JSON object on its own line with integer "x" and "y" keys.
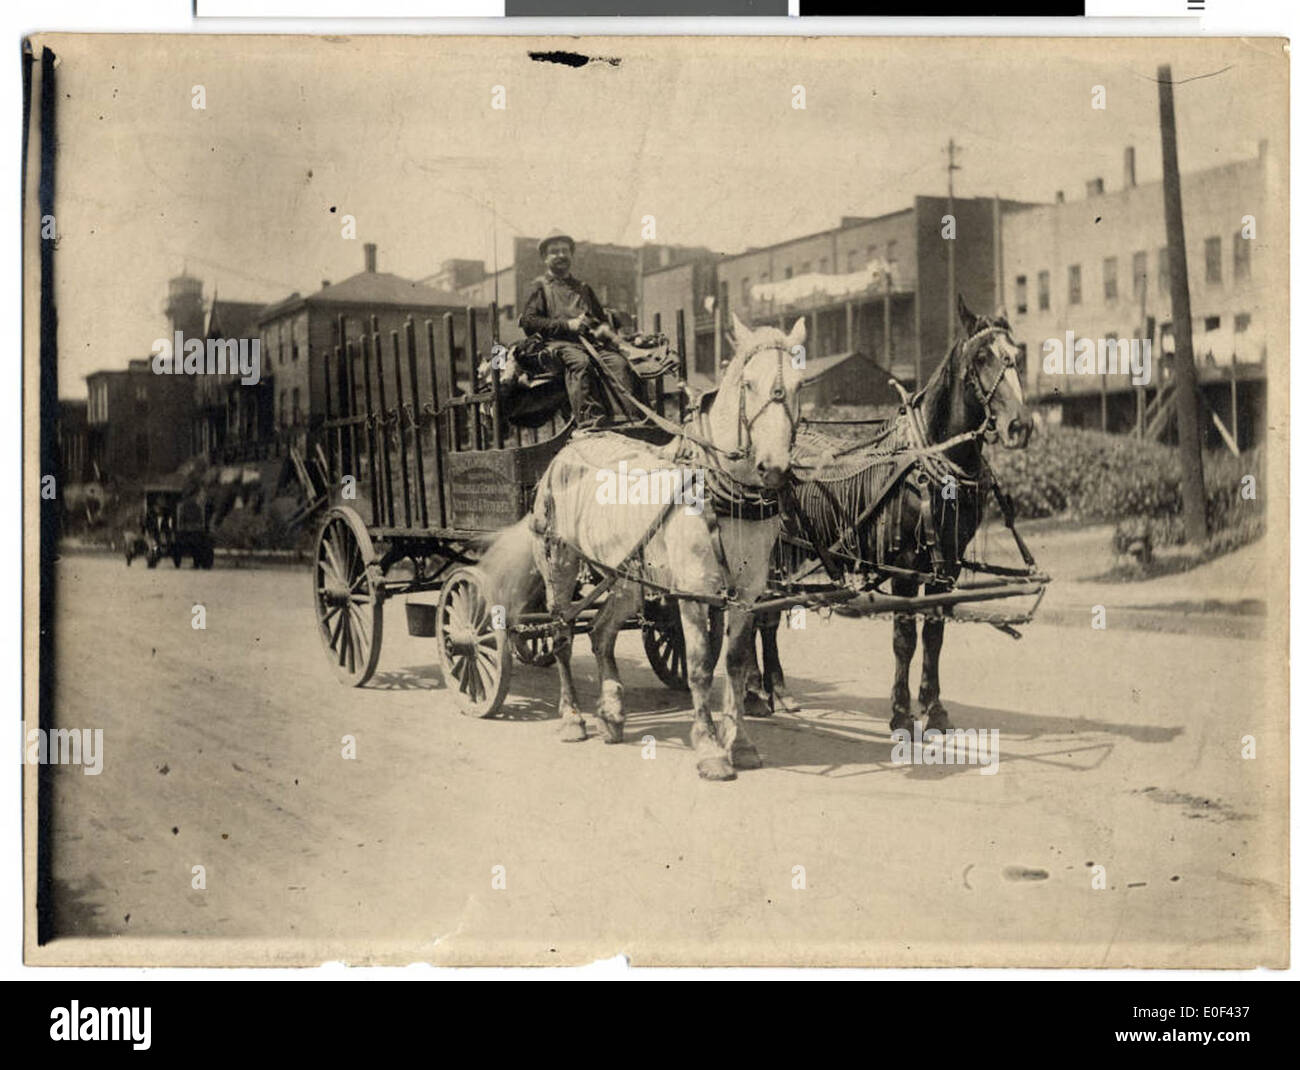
{"x": 970, "y": 349}
{"x": 776, "y": 396}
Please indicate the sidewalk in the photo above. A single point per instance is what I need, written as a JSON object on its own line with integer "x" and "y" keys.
{"x": 1227, "y": 596}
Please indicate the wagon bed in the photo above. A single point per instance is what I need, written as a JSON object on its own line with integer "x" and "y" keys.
{"x": 423, "y": 476}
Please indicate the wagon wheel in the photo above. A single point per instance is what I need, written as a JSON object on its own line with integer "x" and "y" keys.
{"x": 473, "y": 652}
{"x": 348, "y": 595}
{"x": 665, "y": 644}
{"x": 536, "y": 650}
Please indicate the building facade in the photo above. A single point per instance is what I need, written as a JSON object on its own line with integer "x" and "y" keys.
{"x": 299, "y": 333}
{"x": 613, "y": 271}
{"x": 138, "y": 423}
{"x": 1098, "y": 267}
{"x": 876, "y": 286}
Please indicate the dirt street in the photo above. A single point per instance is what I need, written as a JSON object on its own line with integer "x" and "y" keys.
{"x": 222, "y": 748}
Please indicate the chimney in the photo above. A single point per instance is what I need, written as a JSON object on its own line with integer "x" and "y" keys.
{"x": 371, "y": 254}
{"x": 1130, "y": 167}
{"x": 1060, "y": 196}
{"x": 324, "y": 284}
{"x": 1095, "y": 187}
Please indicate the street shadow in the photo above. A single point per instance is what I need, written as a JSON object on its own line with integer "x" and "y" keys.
{"x": 417, "y": 678}
{"x": 1023, "y": 726}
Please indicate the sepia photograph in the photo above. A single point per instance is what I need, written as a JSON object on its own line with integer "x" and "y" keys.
{"x": 717, "y": 501}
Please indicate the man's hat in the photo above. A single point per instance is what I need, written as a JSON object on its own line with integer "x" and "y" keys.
{"x": 555, "y": 235}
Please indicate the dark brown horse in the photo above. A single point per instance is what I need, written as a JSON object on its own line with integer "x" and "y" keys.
{"x": 928, "y": 504}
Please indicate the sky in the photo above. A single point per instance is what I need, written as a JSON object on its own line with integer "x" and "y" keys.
{"x": 249, "y": 192}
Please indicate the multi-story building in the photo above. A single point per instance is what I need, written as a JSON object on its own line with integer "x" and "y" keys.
{"x": 298, "y": 332}
{"x": 74, "y": 443}
{"x": 612, "y": 271}
{"x": 873, "y": 286}
{"x": 138, "y": 422}
{"x": 230, "y": 414}
{"x": 1098, "y": 267}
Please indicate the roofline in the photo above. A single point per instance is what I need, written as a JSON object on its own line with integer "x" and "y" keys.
{"x": 864, "y": 221}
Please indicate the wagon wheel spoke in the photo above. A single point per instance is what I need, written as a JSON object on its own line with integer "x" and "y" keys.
{"x": 348, "y": 597}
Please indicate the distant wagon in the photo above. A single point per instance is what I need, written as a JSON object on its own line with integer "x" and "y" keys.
{"x": 172, "y": 524}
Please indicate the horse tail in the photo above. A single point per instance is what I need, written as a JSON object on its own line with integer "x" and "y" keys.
{"x": 511, "y": 570}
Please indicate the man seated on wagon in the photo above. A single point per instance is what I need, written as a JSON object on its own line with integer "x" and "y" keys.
{"x": 560, "y": 311}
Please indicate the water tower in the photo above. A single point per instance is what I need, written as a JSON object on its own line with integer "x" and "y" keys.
{"x": 184, "y": 306}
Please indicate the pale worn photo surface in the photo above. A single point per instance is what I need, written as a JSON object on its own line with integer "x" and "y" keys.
{"x": 720, "y": 501}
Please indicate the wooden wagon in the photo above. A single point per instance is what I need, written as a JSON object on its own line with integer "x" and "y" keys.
{"x": 425, "y": 470}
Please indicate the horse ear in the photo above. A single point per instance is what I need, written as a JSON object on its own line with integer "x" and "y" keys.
{"x": 968, "y": 320}
{"x": 798, "y": 333}
{"x": 739, "y": 330}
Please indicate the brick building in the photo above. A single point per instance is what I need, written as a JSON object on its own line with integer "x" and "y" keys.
{"x": 138, "y": 423}
{"x": 847, "y": 283}
{"x": 1098, "y": 266}
{"x": 613, "y": 271}
{"x": 299, "y": 331}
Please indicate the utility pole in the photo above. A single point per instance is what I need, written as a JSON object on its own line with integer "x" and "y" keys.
{"x": 952, "y": 251}
{"x": 1189, "y": 424}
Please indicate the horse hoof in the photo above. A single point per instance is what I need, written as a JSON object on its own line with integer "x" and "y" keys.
{"x": 716, "y": 769}
{"x": 746, "y": 758}
{"x": 902, "y": 722}
{"x": 757, "y": 705}
{"x": 611, "y": 731}
{"x": 787, "y": 704}
{"x": 936, "y": 719}
{"x": 573, "y": 732}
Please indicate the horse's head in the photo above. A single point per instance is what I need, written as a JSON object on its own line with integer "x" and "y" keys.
{"x": 987, "y": 359}
{"x": 757, "y": 406}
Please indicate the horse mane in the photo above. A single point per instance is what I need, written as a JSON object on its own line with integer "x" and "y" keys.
{"x": 834, "y": 502}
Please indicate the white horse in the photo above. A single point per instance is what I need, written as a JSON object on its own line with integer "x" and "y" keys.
{"x": 719, "y": 544}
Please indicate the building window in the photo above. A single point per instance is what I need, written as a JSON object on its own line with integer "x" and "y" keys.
{"x": 1076, "y": 284}
{"x": 296, "y": 406}
{"x": 1211, "y": 323}
{"x": 805, "y": 268}
{"x": 744, "y": 292}
{"x": 1163, "y": 269}
{"x": 1110, "y": 278}
{"x": 1022, "y": 295}
{"x": 1139, "y": 274}
{"x": 1213, "y": 261}
{"x": 141, "y": 392}
{"x": 891, "y": 250}
{"x": 1044, "y": 291}
{"x": 1240, "y": 257}
{"x": 1241, "y": 322}
{"x": 853, "y": 261}
{"x": 824, "y": 265}
{"x": 789, "y": 272}
{"x": 295, "y": 350}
